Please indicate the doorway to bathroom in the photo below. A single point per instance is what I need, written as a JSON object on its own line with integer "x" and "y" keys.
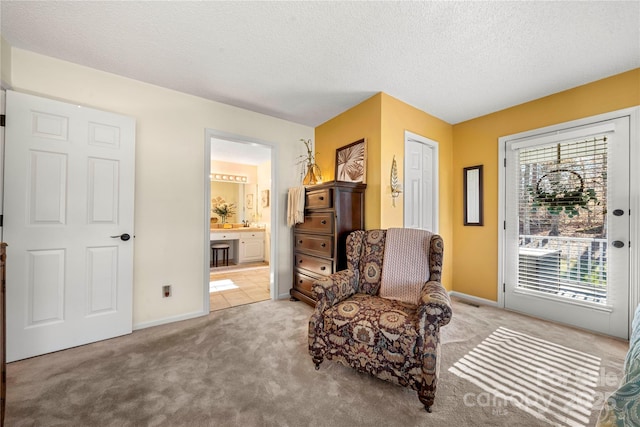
{"x": 240, "y": 263}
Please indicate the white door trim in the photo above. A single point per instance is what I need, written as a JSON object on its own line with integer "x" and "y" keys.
{"x": 273, "y": 261}
{"x": 433, "y": 145}
{"x": 634, "y": 191}
{"x": 3, "y": 97}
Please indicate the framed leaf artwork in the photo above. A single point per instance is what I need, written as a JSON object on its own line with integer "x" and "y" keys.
{"x": 351, "y": 162}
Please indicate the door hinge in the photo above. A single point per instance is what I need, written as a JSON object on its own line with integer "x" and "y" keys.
{"x": 3, "y": 117}
{"x": 1, "y": 220}
{"x": 504, "y": 225}
{"x": 505, "y": 162}
{"x": 504, "y": 287}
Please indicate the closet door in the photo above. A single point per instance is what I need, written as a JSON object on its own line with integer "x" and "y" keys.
{"x": 68, "y": 221}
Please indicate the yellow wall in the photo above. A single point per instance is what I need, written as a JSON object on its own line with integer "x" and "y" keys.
{"x": 361, "y": 121}
{"x": 476, "y": 143}
{"x": 396, "y": 118}
{"x": 383, "y": 119}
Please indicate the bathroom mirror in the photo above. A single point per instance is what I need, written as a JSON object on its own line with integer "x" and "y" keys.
{"x": 244, "y": 196}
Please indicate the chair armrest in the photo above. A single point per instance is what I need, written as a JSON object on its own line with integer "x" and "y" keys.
{"x": 334, "y": 288}
{"x": 435, "y": 305}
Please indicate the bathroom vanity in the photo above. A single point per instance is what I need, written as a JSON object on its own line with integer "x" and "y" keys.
{"x": 246, "y": 244}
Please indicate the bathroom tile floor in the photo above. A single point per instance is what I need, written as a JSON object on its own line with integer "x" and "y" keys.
{"x": 238, "y": 287}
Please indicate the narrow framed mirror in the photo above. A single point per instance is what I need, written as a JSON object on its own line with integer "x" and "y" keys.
{"x": 473, "y": 195}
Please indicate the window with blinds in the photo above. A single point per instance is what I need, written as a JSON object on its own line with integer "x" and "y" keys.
{"x": 562, "y": 199}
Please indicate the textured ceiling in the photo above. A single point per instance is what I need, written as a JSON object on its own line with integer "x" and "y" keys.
{"x": 309, "y": 61}
{"x": 239, "y": 152}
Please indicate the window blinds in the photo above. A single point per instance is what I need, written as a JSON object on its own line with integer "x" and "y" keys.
{"x": 562, "y": 199}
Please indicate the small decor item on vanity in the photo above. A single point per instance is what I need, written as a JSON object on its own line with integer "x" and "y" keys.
{"x": 313, "y": 174}
{"x": 223, "y": 209}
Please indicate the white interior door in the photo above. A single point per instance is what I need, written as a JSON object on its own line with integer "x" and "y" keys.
{"x": 420, "y": 183}
{"x": 568, "y": 225}
{"x": 68, "y": 208}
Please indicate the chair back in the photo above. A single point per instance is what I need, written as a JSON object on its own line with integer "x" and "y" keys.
{"x": 406, "y": 264}
{"x": 365, "y": 252}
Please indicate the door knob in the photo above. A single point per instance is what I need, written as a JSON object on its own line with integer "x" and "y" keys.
{"x": 618, "y": 244}
{"x": 124, "y": 237}
{"x": 618, "y": 212}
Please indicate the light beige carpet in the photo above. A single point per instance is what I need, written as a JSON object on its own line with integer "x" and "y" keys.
{"x": 249, "y": 366}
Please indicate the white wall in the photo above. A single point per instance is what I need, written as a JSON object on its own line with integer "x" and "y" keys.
{"x": 170, "y": 201}
{"x": 5, "y": 63}
{"x": 264, "y": 183}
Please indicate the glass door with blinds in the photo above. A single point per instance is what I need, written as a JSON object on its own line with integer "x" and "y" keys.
{"x": 567, "y": 226}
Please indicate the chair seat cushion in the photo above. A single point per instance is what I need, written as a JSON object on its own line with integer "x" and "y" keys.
{"x": 373, "y": 334}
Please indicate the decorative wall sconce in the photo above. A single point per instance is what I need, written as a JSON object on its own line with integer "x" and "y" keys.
{"x": 225, "y": 177}
{"x": 396, "y": 188}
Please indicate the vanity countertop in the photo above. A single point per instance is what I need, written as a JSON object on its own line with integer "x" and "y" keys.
{"x": 239, "y": 229}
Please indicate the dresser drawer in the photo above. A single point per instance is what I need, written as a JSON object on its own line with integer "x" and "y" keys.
{"x": 313, "y": 264}
{"x": 314, "y": 244}
{"x": 223, "y": 235}
{"x": 319, "y": 199}
{"x": 303, "y": 283}
{"x": 317, "y": 223}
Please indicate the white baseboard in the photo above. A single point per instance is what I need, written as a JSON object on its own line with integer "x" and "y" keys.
{"x": 474, "y": 299}
{"x": 171, "y": 319}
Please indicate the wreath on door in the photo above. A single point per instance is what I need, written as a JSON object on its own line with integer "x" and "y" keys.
{"x": 562, "y": 190}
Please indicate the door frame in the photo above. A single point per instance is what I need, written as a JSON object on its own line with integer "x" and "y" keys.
{"x": 3, "y": 97}
{"x": 634, "y": 192}
{"x": 435, "y": 199}
{"x": 273, "y": 257}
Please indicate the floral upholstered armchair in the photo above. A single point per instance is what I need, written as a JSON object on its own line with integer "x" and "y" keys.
{"x": 383, "y": 314}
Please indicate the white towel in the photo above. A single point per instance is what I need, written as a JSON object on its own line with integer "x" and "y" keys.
{"x": 295, "y": 206}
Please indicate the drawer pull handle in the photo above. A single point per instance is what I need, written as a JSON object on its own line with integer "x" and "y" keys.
{"x": 324, "y": 245}
{"x": 300, "y": 262}
{"x": 323, "y": 268}
{"x": 323, "y": 222}
{"x": 300, "y": 281}
{"x": 321, "y": 197}
{"x": 300, "y": 241}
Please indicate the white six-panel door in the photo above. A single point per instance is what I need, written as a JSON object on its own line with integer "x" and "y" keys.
{"x": 68, "y": 200}
{"x": 420, "y": 182}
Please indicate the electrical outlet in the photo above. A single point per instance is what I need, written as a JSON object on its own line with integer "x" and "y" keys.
{"x": 166, "y": 291}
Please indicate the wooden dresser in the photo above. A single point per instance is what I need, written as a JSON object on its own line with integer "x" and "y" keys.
{"x": 332, "y": 211}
